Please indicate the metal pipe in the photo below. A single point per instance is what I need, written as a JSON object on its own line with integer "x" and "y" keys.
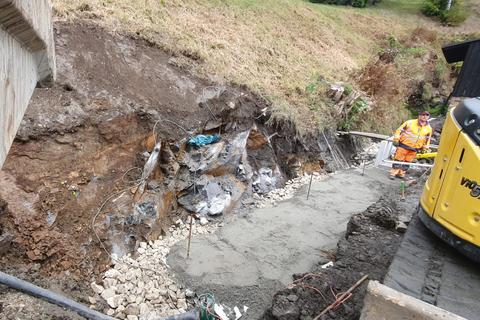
{"x": 190, "y": 315}
{"x": 410, "y": 163}
{"x": 51, "y": 297}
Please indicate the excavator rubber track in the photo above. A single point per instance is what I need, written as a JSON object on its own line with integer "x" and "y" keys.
{"x": 430, "y": 270}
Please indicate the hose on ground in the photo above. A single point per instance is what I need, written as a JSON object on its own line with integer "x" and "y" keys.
{"x": 51, "y": 297}
{"x": 190, "y": 315}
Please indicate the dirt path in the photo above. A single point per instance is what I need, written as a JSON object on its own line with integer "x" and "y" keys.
{"x": 252, "y": 257}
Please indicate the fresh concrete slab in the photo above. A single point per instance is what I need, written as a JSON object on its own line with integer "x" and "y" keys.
{"x": 252, "y": 256}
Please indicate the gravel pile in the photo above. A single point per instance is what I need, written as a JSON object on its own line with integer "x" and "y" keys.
{"x": 142, "y": 288}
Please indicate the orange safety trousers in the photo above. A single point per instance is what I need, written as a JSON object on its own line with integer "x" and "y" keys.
{"x": 402, "y": 155}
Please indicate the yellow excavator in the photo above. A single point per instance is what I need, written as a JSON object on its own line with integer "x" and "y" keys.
{"x": 450, "y": 203}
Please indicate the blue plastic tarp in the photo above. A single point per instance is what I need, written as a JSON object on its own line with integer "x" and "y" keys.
{"x": 202, "y": 140}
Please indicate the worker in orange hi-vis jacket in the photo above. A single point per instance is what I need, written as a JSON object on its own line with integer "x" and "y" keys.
{"x": 412, "y": 136}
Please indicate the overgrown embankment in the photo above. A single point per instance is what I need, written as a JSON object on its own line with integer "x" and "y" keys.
{"x": 279, "y": 49}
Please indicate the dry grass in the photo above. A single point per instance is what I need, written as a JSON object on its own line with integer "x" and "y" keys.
{"x": 276, "y": 47}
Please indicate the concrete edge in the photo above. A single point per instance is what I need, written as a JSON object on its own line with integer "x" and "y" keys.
{"x": 382, "y": 302}
{"x": 30, "y": 23}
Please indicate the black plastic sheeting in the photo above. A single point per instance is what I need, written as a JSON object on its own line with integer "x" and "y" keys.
{"x": 468, "y": 82}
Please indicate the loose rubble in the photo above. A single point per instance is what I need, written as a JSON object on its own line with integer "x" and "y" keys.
{"x": 291, "y": 186}
{"x": 141, "y": 287}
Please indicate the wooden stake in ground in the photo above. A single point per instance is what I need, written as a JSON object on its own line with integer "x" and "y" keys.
{"x": 341, "y": 297}
{"x": 190, "y": 235}
{"x": 310, "y": 185}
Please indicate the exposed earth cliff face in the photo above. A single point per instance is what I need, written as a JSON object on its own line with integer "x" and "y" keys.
{"x": 89, "y": 137}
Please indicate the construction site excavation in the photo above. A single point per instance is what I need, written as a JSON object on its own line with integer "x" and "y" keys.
{"x": 229, "y": 160}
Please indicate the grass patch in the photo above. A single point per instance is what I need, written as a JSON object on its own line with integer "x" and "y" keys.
{"x": 275, "y": 47}
{"x": 411, "y": 7}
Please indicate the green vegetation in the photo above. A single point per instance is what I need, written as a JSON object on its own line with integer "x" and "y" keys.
{"x": 438, "y": 8}
{"x": 359, "y": 107}
{"x": 353, "y": 3}
{"x": 411, "y": 7}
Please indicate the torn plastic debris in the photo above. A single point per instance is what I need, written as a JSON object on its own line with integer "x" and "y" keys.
{"x": 225, "y": 154}
{"x": 147, "y": 170}
{"x": 219, "y": 311}
{"x": 327, "y": 265}
{"x": 238, "y": 314}
{"x": 267, "y": 180}
{"x": 213, "y": 195}
{"x": 202, "y": 140}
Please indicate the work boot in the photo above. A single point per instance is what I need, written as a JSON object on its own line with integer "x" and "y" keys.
{"x": 401, "y": 174}
{"x": 393, "y": 173}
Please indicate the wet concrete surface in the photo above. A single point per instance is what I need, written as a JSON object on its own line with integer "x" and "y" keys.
{"x": 428, "y": 269}
{"x": 250, "y": 258}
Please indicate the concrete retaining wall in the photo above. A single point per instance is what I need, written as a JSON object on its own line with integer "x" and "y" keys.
{"x": 382, "y": 302}
{"x": 27, "y": 58}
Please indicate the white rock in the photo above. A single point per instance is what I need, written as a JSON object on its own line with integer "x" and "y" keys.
{"x": 112, "y": 273}
{"x": 172, "y": 295}
{"x": 141, "y": 250}
{"x": 203, "y": 221}
{"x": 108, "y": 293}
{"x": 163, "y": 292}
{"x": 110, "y": 312}
{"x": 112, "y": 302}
{"x": 144, "y": 309}
{"x": 152, "y": 295}
{"x": 98, "y": 289}
{"x": 143, "y": 245}
{"x": 189, "y": 293}
{"x": 132, "y": 309}
{"x": 182, "y": 304}
{"x": 109, "y": 282}
{"x": 92, "y": 300}
{"x": 132, "y": 317}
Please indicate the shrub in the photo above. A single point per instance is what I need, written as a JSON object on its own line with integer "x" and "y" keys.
{"x": 359, "y": 3}
{"x": 353, "y": 3}
{"x": 438, "y": 8}
{"x": 455, "y": 16}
